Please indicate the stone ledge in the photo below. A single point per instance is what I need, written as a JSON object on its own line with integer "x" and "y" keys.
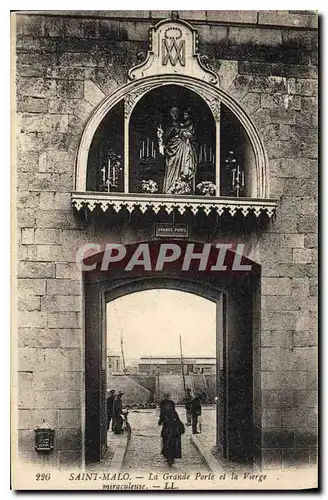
{"x": 221, "y": 205}
{"x": 231, "y": 16}
{"x": 285, "y": 19}
{"x": 120, "y": 451}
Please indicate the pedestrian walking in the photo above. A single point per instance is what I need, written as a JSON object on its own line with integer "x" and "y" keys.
{"x": 171, "y": 433}
{"x": 117, "y": 413}
{"x": 110, "y": 401}
{"x": 196, "y": 411}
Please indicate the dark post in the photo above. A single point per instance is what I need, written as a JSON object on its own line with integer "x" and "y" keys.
{"x": 182, "y": 368}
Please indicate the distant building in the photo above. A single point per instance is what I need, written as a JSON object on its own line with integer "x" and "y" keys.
{"x": 172, "y": 364}
{"x": 132, "y": 369}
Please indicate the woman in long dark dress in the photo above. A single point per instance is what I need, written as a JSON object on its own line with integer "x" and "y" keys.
{"x": 171, "y": 435}
{"x": 117, "y": 414}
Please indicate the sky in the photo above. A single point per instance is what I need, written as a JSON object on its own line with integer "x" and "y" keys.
{"x": 152, "y": 320}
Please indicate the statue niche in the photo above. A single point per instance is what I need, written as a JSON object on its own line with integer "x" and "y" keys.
{"x": 172, "y": 143}
{"x": 105, "y": 161}
{"x": 179, "y": 147}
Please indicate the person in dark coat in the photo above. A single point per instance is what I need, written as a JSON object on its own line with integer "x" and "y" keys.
{"x": 117, "y": 414}
{"x": 171, "y": 433}
{"x": 110, "y": 401}
{"x": 196, "y": 411}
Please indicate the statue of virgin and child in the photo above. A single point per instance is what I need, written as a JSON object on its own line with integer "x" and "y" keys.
{"x": 179, "y": 147}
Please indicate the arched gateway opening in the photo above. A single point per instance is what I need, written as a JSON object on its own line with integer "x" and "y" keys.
{"x": 233, "y": 296}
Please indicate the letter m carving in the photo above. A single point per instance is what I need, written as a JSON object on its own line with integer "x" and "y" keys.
{"x": 173, "y": 51}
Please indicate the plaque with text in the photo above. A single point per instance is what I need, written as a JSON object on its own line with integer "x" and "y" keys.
{"x": 171, "y": 230}
{"x": 44, "y": 439}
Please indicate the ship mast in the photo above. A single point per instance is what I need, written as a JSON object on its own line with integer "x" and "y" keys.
{"x": 122, "y": 353}
{"x": 182, "y": 367}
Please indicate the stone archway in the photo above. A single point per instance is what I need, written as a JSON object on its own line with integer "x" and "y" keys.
{"x": 236, "y": 329}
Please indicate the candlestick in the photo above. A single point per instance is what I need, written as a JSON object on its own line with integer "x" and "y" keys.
{"x": 114, "y": 176}
{"x": 103, "y": 171}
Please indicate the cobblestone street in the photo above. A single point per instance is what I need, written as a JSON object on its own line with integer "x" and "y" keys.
{"x": 144, "y": 451}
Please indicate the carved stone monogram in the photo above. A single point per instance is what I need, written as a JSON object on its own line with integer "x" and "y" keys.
{"x": 173, "y": 52}
{"x": 173, "y": 49}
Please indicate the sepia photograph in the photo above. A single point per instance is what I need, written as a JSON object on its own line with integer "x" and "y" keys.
{"x": 164, "y": 325}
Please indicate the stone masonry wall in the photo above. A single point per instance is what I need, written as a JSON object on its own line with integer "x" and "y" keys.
{"x": 65, "y": 66}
